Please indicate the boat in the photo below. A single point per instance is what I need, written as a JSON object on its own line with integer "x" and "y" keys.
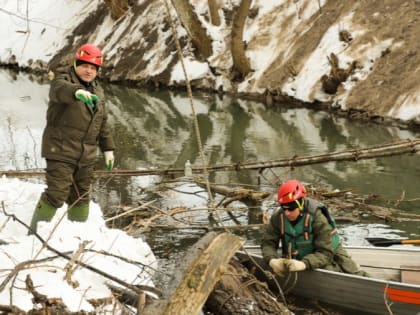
{"x": 393, "y": 288}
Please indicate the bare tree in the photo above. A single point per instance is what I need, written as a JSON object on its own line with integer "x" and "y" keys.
{"x": 195, "y": 30}
{"x": 117, "y": 7}
{"x": 214, "y": 14}
{"x": 240, "y": 61}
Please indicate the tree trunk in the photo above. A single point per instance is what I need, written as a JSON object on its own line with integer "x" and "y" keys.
{"x": 199, "y": 271}
{"x": 214, "y": 14}
{"x": 117, "y": 7}
{"x": 195, "y": 30}
{"x": 240, "y": 61}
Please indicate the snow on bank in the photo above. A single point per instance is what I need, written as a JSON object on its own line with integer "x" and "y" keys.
{"x": 23, "y": 110}
{"x": 29, "y": 33}
{"x": 272, "y": 37}
{"x": 18, "y": 198}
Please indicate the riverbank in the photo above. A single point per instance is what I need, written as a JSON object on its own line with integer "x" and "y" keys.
{"x": 354, "y": 59}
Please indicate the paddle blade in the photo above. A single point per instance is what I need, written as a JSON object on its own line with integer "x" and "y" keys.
{"x": 385, "y": 242}
{"x": 382, "y": 242}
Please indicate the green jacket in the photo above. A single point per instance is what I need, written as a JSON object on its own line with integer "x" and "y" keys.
{"x": 299, "y": 236}
{"x": 322, "y": 253}
{"x": 74, "y": 131}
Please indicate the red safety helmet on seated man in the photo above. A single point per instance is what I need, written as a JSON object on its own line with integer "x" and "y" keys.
{"x": 290, "y": 191}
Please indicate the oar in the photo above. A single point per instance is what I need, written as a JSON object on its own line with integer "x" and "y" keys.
{"x": 384, "y": 242}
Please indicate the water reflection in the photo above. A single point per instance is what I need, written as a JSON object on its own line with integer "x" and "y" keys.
{"x": 156, "y": 129}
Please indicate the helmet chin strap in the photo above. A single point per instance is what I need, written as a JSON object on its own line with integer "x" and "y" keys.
{"x": 300, "y": 205}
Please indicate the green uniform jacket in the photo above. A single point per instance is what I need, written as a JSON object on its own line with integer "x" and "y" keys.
{"x": 323, "y": 253}
{"x": 74, "y": 131}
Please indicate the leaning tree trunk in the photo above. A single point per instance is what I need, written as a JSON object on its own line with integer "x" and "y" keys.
{"x": 240, "y": 61}
{"x": 197, "y": 33}
{"x": 118, "y": 8}
{"x": 214, "y": 14}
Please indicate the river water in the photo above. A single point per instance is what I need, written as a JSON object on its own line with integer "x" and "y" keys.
{"x": 155, "y": 129}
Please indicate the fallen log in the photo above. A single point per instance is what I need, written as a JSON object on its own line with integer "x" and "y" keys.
{"x": 203, "y": 266}
{"x": 209, "y": 279}
{"x": 248, "y": 196}
{"x": 389, "y": 149}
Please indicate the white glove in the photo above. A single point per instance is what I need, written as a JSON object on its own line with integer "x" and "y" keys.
{"x": 109, "y": 160}
{"x": 295, "y": 265}
{"x": 277, "y": 264}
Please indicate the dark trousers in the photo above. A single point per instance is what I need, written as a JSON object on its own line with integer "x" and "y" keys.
{"x": 67, "y": 183}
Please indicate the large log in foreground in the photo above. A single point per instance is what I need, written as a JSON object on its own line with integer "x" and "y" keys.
{"x": 197, "y": 275}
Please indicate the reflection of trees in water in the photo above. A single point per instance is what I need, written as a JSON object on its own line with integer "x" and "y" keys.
{"x": 156, "y": 129}
{"x": 331, "y": 133}
{"x": 147, "y": 126}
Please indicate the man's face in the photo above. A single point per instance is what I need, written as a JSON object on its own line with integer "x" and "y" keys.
{"x": 87, "y": 72}
{"x": 291, "y": 210}
{"x": 292, "y": 214}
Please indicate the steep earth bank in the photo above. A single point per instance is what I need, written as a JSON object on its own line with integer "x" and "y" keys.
{"x": 356, "y": 58}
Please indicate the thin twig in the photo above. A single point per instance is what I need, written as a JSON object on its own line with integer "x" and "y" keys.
{"x": 135, "y": 288}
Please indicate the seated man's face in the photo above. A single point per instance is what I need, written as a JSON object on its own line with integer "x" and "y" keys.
{"x": 291, "y": 210}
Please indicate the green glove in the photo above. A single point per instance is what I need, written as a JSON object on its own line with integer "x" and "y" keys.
{"x": 86, "y": 97}
{"x": 95, "y": 99}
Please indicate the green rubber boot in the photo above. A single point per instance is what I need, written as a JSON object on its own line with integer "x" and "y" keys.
{"x": 43, "y": 212}
{"x": 78, "y": 213}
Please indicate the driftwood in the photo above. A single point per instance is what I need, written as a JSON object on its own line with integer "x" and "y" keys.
{"x": 50, "y": 305}
{"x": 346, "y": 206}
{"x": 201, "y": 269}
{"x": 209, "y": 279}
{"x": 357, "y": 209}
{"x": 248, "y": 196}
{"x": 239, "y": 292}
{"x": 390, "y": 149}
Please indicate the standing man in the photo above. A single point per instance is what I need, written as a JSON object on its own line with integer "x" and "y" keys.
{"x": 307, "y": 233}
{"x": 76, "y": 126}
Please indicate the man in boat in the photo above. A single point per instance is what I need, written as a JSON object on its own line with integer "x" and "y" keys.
{"x": 76, "y": 126}
{"x": 307, "y": 233}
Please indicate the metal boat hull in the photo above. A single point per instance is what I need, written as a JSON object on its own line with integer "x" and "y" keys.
{"x": 380, "y": 294}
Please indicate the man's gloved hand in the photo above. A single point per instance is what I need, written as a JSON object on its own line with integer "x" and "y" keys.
{"x": 277, "y": 264}
{"x": 86, "y": 97}
{"x": 109, "y": 160}
{"x": 294, "y": 265}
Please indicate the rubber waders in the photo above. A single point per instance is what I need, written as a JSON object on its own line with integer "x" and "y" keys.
{"x": 43, "y": 212}
{"x": 78, "y": 213}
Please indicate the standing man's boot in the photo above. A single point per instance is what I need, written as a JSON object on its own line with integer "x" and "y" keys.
{"x": 43, "y": 212}
{"x": 78, "y": 213}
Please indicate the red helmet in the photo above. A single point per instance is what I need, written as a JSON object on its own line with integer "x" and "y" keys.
{"x": 290, "y": 191}
{"x": 90, "y": 54}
